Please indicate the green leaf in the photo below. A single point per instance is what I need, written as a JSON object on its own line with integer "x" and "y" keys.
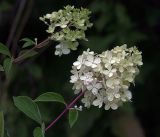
{"x": 28, "y": 42}
{"x": 7, "y": 65}
{"x": 1, "y": 68}
{"x": 73, "y": 116}
{"x": 28, "y": 107}
{"x": 4, "y": 50}
{"x": 1, "y": 124}
{"x": 38, "y": 132}
{"x": 50, "y": 97}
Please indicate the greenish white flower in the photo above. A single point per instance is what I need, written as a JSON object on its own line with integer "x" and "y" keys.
{"x": 105, "y": 78}
{"x": 62, "y": 49}
{"x": 92, "y": 61}
{"x": 87, "y": 78}
{"x": 94, "y": 86}
{"x": 98, "y": 101}
{"x": 68, "y": 25}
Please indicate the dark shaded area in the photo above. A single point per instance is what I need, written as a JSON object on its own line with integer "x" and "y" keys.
{"x": 115, "y": 23}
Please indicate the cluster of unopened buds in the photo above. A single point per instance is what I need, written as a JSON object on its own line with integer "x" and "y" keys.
{"x": 67, "y": 27}
{"x": 78, "y": 108}
{"x": 105, "y": 78}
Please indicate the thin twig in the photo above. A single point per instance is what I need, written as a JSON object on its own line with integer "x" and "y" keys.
{"x": 65, "y": 110}
{"x": 15, "y": 22}
{"x": 22, "y": 22}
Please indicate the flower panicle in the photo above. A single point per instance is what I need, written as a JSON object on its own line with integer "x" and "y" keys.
{"x": 67, "y": 26}
{"x": 106, "y": 77}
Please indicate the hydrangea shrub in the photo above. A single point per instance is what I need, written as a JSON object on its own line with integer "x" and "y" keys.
{"x": 101, "y": 80}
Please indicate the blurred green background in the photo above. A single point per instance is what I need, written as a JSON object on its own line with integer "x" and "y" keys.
{"x": 116, "y": 22}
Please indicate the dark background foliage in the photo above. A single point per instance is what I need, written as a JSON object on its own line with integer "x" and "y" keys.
{"x": 115, "y": 22}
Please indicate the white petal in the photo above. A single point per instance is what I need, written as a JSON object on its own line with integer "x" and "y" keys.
{"x": 110, "y": 74}
{"x": 123, "y": 98}
{"x": 116, "y": 81}
{"x": 76, "y": 63}
{"x": 107, "y": 107}
{"x": 66, "y": 51}
{"x": 57, "y": 24}
{"x": 90, "y": 58}
{"x": 105, "y": 72}
{"x": 58, "y": 53}
{"x": 117, "y": 95}
{"x": 89, "y": 87}
{"x": 97, "y": 102}
{"x": 128, "y": 94}
{"x": 113, "y": 61}
{"x": 59, "y": 46}
{"x": 125, "y": 86}
{"x": 110, "y": 97}
{"x": 63, "y": 26}
{"x": 80, "y": 58}
{"x": 107, "y": 65}
{"x": 140, "y": 63}
{"x": 93, "y": 65}
{"x": 98, "y": 85}
{"x": 94, "y": 91}
{"x": 109, "y": 83}
{"x": 48, "y": 15}
{"x": 114, "y": 106}
{"x": 79, "y": 66}
{"x": 121, "y": 69}
{"x": 88, "y": 63}
{"x": 114, "y": 70}
{"x": 82, "y": 77}
{"x": 130, "y": 79}
{"x": 97, "y": 60}
{"x": 73, "y": 79}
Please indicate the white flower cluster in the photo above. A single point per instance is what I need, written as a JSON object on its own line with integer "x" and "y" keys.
{"x": 67, "y": 26}
{"x": 105, "y": 78}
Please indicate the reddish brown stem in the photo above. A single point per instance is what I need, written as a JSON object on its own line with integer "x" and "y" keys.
{"x": 38, "y": 46}
{"x": 65, "y": 110}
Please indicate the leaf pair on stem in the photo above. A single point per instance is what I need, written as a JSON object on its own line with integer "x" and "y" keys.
{"x": 30, "y": 108}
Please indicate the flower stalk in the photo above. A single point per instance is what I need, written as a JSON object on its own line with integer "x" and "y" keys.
{"x": 65, "y": 110}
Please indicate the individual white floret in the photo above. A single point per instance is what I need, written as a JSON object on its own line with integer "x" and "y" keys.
{"x": 62, "y": 49}
{"x": 92, "y": 61}
{"x": 94, "y": 87}
{"x": 87, "y": 78}
{"x": 98, "y": 101}
{"x": 79, "y": 62}
{"x": 109, "y": 71}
